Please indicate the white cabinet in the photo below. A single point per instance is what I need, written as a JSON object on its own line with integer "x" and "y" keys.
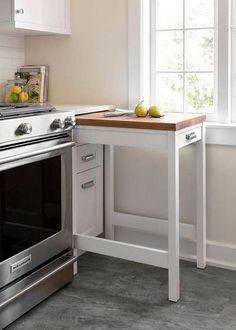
{"x": 88, "y": 190}
{"x": 34, "y": 16}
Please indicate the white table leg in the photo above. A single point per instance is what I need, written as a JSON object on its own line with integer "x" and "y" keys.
{"x": 109, "y": 191}
{"x": 173, "y": 217}
{"x": 201, "y": 202}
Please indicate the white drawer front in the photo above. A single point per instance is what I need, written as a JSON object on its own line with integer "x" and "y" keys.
{"x": 189, "y": 136}
{"x": 89, "y": 156}
{"x": 88, "y": 218}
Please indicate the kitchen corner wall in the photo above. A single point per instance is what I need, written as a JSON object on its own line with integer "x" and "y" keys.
{"x": 11, "y": 56}
{"x": 91, "y": 66}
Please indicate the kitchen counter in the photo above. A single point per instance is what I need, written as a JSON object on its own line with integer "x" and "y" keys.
{"x": 79, "y": 109}
{"x": 169, "y": 122}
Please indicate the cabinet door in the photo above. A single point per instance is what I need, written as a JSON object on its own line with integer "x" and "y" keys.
{"x": 88, "y": 200}
{"x": 47, "y": 13}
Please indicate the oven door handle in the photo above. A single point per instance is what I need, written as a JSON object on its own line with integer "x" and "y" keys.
{"x": 36, "y": 153}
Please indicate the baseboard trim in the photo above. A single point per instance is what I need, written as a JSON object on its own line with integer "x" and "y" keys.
{"x": 211, "y": 262}
{"x": 219, "y": 254}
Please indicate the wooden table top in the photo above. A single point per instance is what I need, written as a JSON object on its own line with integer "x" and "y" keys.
{"x": 170, "y": 122}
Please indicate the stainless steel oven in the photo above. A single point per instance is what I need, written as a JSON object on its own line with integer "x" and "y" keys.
{"x": 35, "y": 204}
{"x": 35, "y": 207}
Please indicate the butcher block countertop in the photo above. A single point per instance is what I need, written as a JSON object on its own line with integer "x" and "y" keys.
{"x": 170, "y": 122}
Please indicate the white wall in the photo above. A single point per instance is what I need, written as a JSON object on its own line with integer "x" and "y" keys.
{"x": 137, "y": 169}
{"x": 11, "y": 56}
{"x": 91, "y": 67}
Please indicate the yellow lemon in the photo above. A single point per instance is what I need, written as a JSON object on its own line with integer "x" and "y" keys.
{"x": 16, "y": 89}
{"x": 23, "y": 97}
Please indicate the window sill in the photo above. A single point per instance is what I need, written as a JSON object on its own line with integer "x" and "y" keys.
{"x": 221, "y": 134}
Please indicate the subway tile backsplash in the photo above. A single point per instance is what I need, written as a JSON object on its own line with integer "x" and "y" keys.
{"x": 12, "y": 55}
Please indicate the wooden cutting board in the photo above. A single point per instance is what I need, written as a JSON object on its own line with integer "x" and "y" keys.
{"x": 170, "y": 122}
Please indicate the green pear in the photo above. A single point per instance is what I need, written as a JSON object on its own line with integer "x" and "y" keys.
{"x": 141, "y": 110}
{"x": 154, "y": 111}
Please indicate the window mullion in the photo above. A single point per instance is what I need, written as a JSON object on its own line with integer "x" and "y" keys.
{"x": 153, "y": 59}
{"x": 187, "y": 29}
{"x": 186, "y": 71}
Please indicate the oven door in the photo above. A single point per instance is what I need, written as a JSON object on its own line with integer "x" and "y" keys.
{"x": 35, "y": 204}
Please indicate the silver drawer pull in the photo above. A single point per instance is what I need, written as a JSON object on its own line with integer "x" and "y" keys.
{"x": 87, "y": 158}
{"x": 20, "y": 11}
{"x": 191, "y": 136}
{"x": 88, "y": 184}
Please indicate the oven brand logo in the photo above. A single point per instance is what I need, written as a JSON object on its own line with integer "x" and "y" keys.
{"x": 21, "y": 263}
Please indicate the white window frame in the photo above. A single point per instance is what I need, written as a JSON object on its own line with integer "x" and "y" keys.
{"x": 139, "y": 46}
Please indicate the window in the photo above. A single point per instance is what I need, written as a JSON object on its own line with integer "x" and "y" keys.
{"x": 183, "y": 55}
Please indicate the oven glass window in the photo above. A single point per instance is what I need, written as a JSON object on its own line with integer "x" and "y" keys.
{"x": 30, "y": 205}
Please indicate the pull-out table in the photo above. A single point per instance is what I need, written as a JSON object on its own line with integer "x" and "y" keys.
{"x": 171, "y": 132}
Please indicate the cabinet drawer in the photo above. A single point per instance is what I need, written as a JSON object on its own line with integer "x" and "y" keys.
{"x": 88, "y": 217}
{"x": 89, "y": 156}
{"x": 189, "y": 136}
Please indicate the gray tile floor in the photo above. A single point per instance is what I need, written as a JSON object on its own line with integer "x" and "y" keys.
{"x": 110, "y": 294}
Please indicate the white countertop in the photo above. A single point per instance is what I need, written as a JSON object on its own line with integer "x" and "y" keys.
{"x": 80, "y": 109}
